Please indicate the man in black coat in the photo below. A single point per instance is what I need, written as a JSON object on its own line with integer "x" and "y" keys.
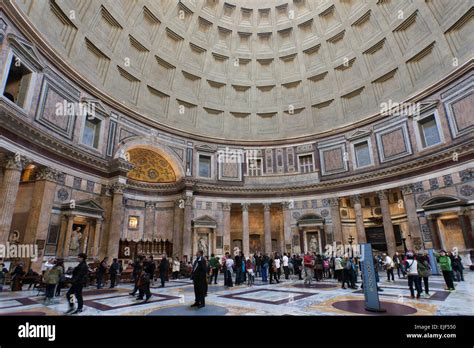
{"x": 78, "y": 281}
{"x": 137, "y": 269}
{"x": 164, "y": 266}
{"x": 113, "y": 271}
{"x": 199, "y": 277}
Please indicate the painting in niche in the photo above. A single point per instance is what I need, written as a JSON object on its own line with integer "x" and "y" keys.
{"x": 255, "y": 244}
{"x": 203, "y": 243}
{"x": 77, "y": 239}
{"x": 313, "y": 242}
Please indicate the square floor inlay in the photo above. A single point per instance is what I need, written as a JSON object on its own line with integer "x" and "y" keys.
{"x": 269, "y": 296}
{"x": 108, "y": 304}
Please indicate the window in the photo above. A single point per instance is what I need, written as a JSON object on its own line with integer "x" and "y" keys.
{"x": 429, "y": 134}
{"x": 362, "y": 154}
{"x": 133, "y": 222}
{"x": 306, "y": 163}
{"x": 395, "y": 197}
{"x": 18, "y": 82}
{"x": 91, "y": 134}
{"x": 254, "y": 167}
{"x": 205, "y": 166}
{"x": 366, "y": 202}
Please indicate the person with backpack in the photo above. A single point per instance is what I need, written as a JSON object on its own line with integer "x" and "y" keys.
{"x": 326, "y": 268}
{"x": 51, "y": 279}
{"x": 286, "y": 268}
{"x": 318, "y": 268}
{"x": 214, "y": 266}
{"x": 447, "y": 269}
{"x": 338, "y": 268}
{"x": 228, "y": 269}
{"x": 250, "y": 267}
{"x": 101, "y": 272}
{"x": 348, "y": 273}
{"x": 424, "y": 271}
{"x": 458, "y": 268}
{"x": 308, "y": 266}
{"x": 273, "y": 268}
{"x": 114, "y": 270}
{"x": 397, "y": 261}
{"x": 412, "y": 272}
{"x": 389, "y": 265}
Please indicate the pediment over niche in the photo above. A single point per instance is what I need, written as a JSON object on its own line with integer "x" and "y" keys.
{"x": 87, "y": 206}
{"x": 360, "y": 133}
{"x": 205, "y": 221}
{"x": 26, "y": 51}
{"x": 206, "y": 148}
{"x": 98, "y": 106}
{"x": 440, "y": 202}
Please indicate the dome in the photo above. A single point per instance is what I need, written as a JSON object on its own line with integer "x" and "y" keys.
{"x": 254, "y": 70}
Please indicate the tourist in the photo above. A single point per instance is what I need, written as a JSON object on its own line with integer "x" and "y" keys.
{"x": 447, "y": 269}
{"x": 348, "y": 275}
{"x": 458, "y": 268}
{"x": 51, "y": 279}
{"x": 114, "y": 270}
{"x": 229, "y": 266}
{"x": 137, "y": 268}
{"x": 265, "y": 266}
{"x": 17, "y": 277}
{"x": 286, "y": 268}
{"x": 48, "y": 265}
{"x": 214, "y": 266}
{"x": 412, "y": 272}
{"x": 424, "y": 271}
{"x": 326, "y": 268}
{"x": 258, "y": 265}
{"x": 78, "y": 281}
{"x": 100, "y": 272}
{"x": 318, "y": 268}
{"x": 388, "y": 264}
{"x": 243, "y": 274}
{"x": 308, "y": 264}
{"x": 250, "y": 267}
{"x": 277, "y": 262}
{"x": 273, "y": 268}
{"x": 144, "y": 280}
{"x": 164, "y": 266}
{"x": 3, "y": 276}
{"x": 397, "y": 261}
{"x": 238, "y": 269}
{"x": 176, "y": 267}
{"x": 338, "y": 268}
{"x": 198, "y": 276}
{"x": 150, "y": 267}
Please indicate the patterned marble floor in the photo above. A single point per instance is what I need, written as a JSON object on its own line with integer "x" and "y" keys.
{"x": 290, "y": 297}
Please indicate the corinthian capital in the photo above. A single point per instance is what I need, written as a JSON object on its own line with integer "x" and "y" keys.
{"x": 47, "y": 173}
{"x": 355, "y": 199}
{"x": 117, "y": 188}
{"x": 226, "y": 206}
{"x": 407, "y": 189}
{"x": 382, "y": 194}
{"x": 16, "y": 162}
{"x": 245, "y": 206}
{"x": 188, "y": 200}
{"x": 334, "y": 202}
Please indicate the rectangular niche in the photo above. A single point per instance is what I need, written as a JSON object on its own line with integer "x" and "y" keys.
{"x": 246, "y": 17}
{"x": 387, "y": 85}
{"x": 171, "y": 43}
{"x": 184, "y": 16}
{"x": 302, "y": 7}
{"x": 223, "y": 38}
{"x": 264, "y": 17}
{"x": 129, "y": 85}
{"x": 281, "y": 13}
{"x": 162, "y": 71}
{"x": 292, "y": 92}
{"x": 348, "y": 74}
{"x": 296, "y": 119}
{"x": 244, "y": 42}
{"x": 96, "y": 61}
{"x": 228, "y": 13}
{"x": 243, "y": 69}
{"x": 459, "y": 106}
{"x": 136, "y": 53}
{"x": 329, "y": 18}
{"x": 325, "y": 115}
{"x": 185, "y": 113}
{"x": 211, "y": 119}
{"x": 461, "y": 32}
{"x": 219, "y": 64}
{"x": 306, "y": 31}
{"x": 147, "y": 23}
{"x": 285, "y": 39}
{"x": 411, "y": 32}
{"x": 289, "y": 65}
{"x": 215, "y": 92}
{"x": 377, "y": 56}
{"x": 320, "y": 86}
{"x": 265, "y": 69}
{"x": 267, "y": 123}
{"x": 203, "y": 29}
{"x": 210, "y": 7}
{"x": 196, "y": 56}
{"x": 366, "y": 28}
{"x": 338, "y": 46}
{"x": 106, "y": 28}
{"x": 238, "y": 122}
{"x": 354, "y": 103}
{"x": 240, "y": 96}
{"x": 62, "y": 27}
{"x": 333, "y": 157}
{"x": 190, "y": 84}
{"x": 266, "y": 95}
{"x": 264, "y": 42}
{"x": 393, "y": 141}
{"x": 313, "y": 59}
{"x": 420, "y": 66}
{"x": 158, "y": 102}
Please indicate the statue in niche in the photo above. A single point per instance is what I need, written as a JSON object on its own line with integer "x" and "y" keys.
{"x": 76, "y": 240}
{"x": 203, "y": 244}
{"x": 313, "y": 244}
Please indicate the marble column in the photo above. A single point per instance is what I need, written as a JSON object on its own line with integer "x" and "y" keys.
{"x": 414, "y": 228}
{"x": 37, "y": 225}
{"x": 387, "y": 223}
{"x": 245, "y": 229}
{"x": 149, "y": 226}
{"x": 466, "y": 229}
{"x": 178, "y": 228}
{"x": 432, "y": 221}
{"x": 286, "y": 226}
{"x": 267, "y": 227}
{"x": 97, "y": 235}
{"x": 67, "y": 236}
{"x": 359, "y": 219}
{"x": 10, "y": 184}
{"x": 115, "y": 226}
{"x": 226, "y": 225}
{"x": 336, "y": 220}
{"x": 188, "y": 219}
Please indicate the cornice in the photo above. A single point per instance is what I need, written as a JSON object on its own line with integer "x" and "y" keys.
{"x": 34, "y": 36}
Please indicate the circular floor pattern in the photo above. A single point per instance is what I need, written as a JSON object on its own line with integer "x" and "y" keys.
{"x": 315, "y": 286}
{"x": 190, "y": 311}
{"x": 358, "y": 306}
